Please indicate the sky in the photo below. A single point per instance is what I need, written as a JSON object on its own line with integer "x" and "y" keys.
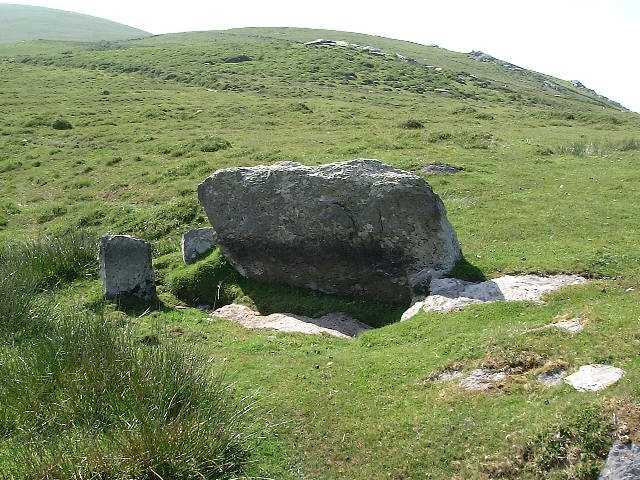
{"x": 594, "y": 41}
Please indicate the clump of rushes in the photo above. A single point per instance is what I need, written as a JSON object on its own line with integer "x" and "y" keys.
{"x": 82, "y": 399}
{"x": 412, "y": 124}
{"x": 61, "y": 124}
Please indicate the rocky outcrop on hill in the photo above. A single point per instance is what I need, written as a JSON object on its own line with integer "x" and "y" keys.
{"x": 358, "y": 228}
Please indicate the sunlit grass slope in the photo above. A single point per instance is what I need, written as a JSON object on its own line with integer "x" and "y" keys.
{"x": 26, "y": 22}
{"x": 550, "y": 184}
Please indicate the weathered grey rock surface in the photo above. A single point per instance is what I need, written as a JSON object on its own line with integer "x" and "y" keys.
{"x": 358, "y": 228}
{"x": 482, "y": 379}
{"x": 335, "y": 324}
{"x": 623, "y": 463}
{"x": 553, "y": 377}
{"x": 590, "y": 378}
{"x": 125, "y": 267}
{"x": 450, "y": 294}
{"x": 196, "y": 242}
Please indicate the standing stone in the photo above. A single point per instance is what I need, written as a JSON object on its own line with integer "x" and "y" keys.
{"x": 196, "y": 242}
{"x": 125, "y": 267}
{"x": 358, "y": 228}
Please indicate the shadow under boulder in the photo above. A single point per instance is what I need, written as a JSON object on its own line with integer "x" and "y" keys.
{"x": 213, "y": 282}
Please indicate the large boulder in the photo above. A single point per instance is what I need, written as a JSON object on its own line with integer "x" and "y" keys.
{"x": 358, "y": 228}
{"x": 125, "y": 267}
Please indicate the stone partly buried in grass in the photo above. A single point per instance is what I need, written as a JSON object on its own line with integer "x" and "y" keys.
{"x": 335, "y": 324}
{"x": 450, "y": 294}
{"x": 592, "y": 378}
{"x": 197, "y": 242}
{"x": 125, "y": 267}
{"x": 358, "y": 228}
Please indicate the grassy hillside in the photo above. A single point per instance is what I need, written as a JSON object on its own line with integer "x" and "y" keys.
{"x": 550, "y": 184}
{"x": 25, "y": 22}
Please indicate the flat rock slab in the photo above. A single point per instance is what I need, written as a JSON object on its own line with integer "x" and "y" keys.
{"x": 449, "y": 294}
{"x": 482, "y": 379}
{"x": 594, "y": 377}
{"x": 196, "y": 242}
{"x": 336, "y": 324}
{"x": 358, "y": 228}
{"x": 125, "y": 267}
{"x": 623, "y": 463}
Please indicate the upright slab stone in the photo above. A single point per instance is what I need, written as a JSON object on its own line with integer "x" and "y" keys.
{"x": 196, "y": 242}
{"x": 358, "y": 228}
{"x": 125, "y": 267}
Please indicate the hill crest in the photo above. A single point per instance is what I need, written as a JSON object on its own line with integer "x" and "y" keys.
{"x": 26, "y": 22}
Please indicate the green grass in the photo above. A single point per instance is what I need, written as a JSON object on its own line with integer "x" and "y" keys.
{"x": 532, "y": 198}
{"x": 25, "y": 22}
{"x": 82, "y": 398}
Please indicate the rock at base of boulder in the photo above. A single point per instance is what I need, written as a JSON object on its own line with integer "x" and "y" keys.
{"x": 125, "y": 267}
{"x": 335, "y": 324}
{"x": 590, "y": 378}
{"x": 359, "y": 228}
{"x": 623, "y": 463}
{"x": 450, "y": 294}
{"x": 196, "y": 242}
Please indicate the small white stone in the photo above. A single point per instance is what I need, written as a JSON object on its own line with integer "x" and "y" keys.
{"x": 594, "y": 377}
{"x": 572, "y": 326}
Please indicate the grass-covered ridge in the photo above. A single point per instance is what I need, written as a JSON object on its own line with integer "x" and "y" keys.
{"x": 550, "y": 184}
{"x": 25, "y": 22}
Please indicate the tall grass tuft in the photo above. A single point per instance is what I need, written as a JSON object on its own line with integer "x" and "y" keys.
{"x": 27, "y": 268}
{"x": 81, "y": 399}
